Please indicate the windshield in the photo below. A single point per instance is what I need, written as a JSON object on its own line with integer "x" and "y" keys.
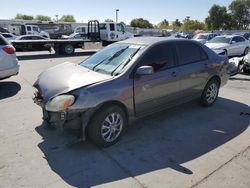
{"x": 113, "y": 59}
{"x": 220, "y": 40}
{"x": 200, "y": 36}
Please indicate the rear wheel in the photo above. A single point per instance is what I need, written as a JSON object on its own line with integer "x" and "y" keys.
{"x": 210, "y": 93}
{"x": 68, "y": 49}
{"x": 107, "y": 126}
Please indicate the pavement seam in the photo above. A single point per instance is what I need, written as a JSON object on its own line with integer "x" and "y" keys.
{"x": 123, "y": 168}
{"x": 13, "y": 100}
{"x": 220, "y": 167}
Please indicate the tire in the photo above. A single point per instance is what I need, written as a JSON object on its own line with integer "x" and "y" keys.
{"x": 246, "y": 51}
{"x": 102, "y": 130}
{"x": 68, "y": 49}
{"x": 245, "y": 70}
{"x": 210, "y": 93}
{"x": 225, "y": 52}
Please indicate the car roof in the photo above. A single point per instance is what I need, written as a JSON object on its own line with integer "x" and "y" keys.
{"x": 150, "y": 40}
{"x": 30, "y": 36}
{"x": 229, "y": 36}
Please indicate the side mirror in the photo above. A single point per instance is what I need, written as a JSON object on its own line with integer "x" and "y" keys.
{"x": 233, "y": 42}
{"x": 145, "y": 70}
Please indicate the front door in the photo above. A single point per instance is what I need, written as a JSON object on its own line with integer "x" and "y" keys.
{"x": 156, "y": 91}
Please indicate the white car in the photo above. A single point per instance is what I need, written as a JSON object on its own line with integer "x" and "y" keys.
{"x": 9, "y": 36}
{"x": 8, "y": 61}
{"x": 75, "y": 36}
{"x": 232, "y": 45}
{"x": 204, "y": 37}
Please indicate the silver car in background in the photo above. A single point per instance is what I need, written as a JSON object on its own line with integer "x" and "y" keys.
{"x": 128, "y": 80}
{"x": 205, "y": 37}
{"x": 8, "y": 61}
{"x": 232, "y": 45}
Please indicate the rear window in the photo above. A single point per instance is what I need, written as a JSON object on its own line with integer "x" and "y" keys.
{"x": 190, "y": 53}
{"x": 3, "y": 41}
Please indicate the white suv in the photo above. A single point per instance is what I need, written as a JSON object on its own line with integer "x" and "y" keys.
{"x": 8, "y": 61}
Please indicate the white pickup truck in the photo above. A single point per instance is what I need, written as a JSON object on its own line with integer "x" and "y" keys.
{"x": 112, "y": 32}
{"x": 27, "y": 30}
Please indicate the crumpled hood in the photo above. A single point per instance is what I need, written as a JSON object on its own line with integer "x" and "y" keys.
{"x": 64, "y": 78}
{"x": 216, "y": 45}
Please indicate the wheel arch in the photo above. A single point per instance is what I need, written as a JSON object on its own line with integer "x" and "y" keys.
{"x": 107, "y": 104}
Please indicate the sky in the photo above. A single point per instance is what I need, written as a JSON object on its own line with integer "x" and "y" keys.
{"x": 83, "y": 10}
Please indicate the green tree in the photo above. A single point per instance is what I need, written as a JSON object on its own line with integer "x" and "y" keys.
{"x": 240, "y": 10}
{"x": 24, "y": 17}
{"x": 141, "y": 23}
{"x": 192, "y": 25}
{"x": 176, "y": 24}
{"x": 218, "y": 18}
{"x": 67, "y": 18}
{"x": 108, "y": 20}
{"x": 43, "y": 18}
{"x": 164, "y": 24}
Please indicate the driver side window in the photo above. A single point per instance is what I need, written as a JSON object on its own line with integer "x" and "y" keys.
{"x": 160, "y": 57}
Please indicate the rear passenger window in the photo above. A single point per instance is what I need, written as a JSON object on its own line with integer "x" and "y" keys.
{"x": 190, "y": 53}
{"x": 160, "y": 57}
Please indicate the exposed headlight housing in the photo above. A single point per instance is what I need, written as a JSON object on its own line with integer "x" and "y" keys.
{"x": 59, "y": 103}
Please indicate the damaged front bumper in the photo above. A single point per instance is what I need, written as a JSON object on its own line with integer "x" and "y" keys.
{"x": 67, "y": 119}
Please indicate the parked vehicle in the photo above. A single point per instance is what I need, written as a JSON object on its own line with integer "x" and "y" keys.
{"x": 185, "y": 35}
{"x": 112, "y": 32}
{"x": 245, "y": 35}
{"x": 81, "y": 29}
{"x": 205, "y": 37}
{"x": 75, "y": 36}
{"x": 233, "y": 45}
{"x": 9, "y": 36}
{"x": 55, "y": 30}
{"x": 239, "y": 64}
{"x": 8, "y": 61}
{"x": 128, "y": 80}
{"x": 21, "y": 29}
{"x": 35, "y": 46}
{"x": 96, "y": 33}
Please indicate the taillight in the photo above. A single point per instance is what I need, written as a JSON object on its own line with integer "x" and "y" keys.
{"x": 9, "y": 49}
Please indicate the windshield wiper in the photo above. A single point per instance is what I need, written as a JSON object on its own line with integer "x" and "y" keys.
{"x": 111, "y": 58}
{"x": 126, "y": 62}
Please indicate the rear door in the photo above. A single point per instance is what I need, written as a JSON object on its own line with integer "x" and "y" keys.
{"x": 193, "y": 65}
{"x": 156, "y": 91}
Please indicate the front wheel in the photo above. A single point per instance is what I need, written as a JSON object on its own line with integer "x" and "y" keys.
{"x": 210, "y": 93}
{"x": 107, "y": 126}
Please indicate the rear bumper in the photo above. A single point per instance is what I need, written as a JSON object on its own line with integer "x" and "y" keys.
{"x": 9, "y": 72}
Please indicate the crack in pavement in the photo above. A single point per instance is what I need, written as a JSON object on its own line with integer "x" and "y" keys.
{"x": 123, "y": 168}
{"x": 220, "y": 167}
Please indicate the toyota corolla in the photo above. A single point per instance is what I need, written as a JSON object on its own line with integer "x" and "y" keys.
{"x": 128, "y": 80}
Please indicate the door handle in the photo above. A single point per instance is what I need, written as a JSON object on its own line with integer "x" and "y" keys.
{"x": 174, "y": 74}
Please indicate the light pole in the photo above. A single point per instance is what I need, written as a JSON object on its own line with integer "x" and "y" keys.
{"x": 116, "y": 11}
{"x": 56, "y": 18}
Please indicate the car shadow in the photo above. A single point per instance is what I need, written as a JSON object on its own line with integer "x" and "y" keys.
{"x": 52, "y": 55}
{"x": 163, "y": 140}
{"x": 8, "y": 89}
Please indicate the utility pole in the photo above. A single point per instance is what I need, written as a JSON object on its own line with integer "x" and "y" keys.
{"x": 116, "y": 11}
{"x": 56, "y": 18}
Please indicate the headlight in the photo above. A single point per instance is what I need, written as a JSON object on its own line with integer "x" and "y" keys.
{"x": 60, "y": 103}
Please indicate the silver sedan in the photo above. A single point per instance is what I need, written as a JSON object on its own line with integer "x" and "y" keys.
{"x": 232, "y": 45}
